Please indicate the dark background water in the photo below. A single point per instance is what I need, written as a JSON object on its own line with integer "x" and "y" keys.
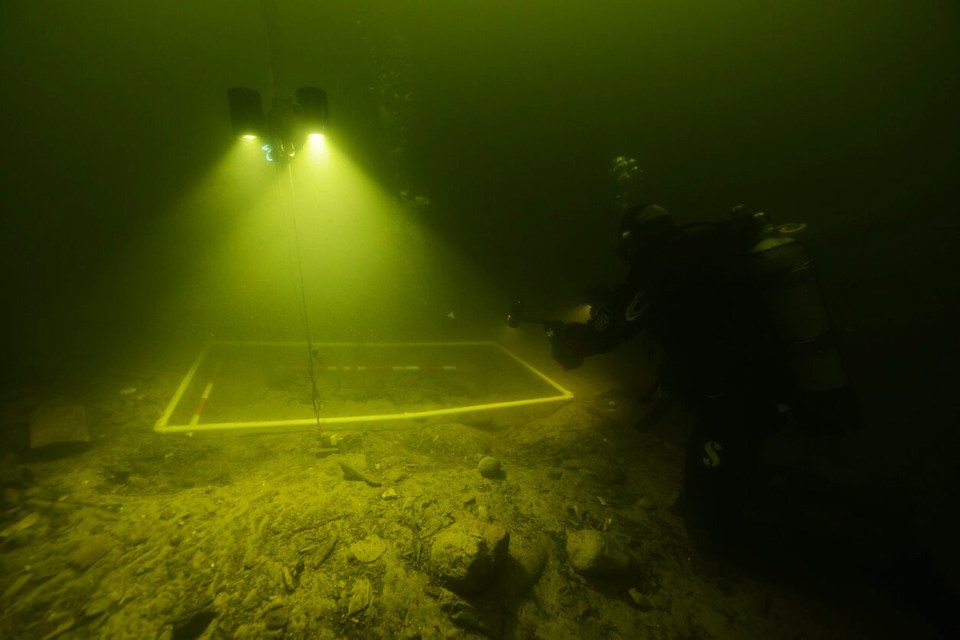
{"x": 506, "y": 115}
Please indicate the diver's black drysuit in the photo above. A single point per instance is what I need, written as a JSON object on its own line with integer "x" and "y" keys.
{"x": 692, "y": 292}
{"x": 707, "y": 296}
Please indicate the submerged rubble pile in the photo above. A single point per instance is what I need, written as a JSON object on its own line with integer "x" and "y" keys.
{"x": 551, "y": 524}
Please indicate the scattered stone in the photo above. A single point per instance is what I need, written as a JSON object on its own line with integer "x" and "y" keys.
{"x": 389, "y": 494}
{"x": 14, "y": 588}
{"x": 62, "y": 628}
{"x": 361, "y": 597}
{"x": 465, "y": 615}
{"x": 89, "y": 552}
{"x": 466, "y": 556}
{"x": 117, "y": 476}
{"x": 21, "y": 525}
{"x": 592, "y": 553}
{"x": 583, "y": 609}
{"x": 277, "y": 617}
{"x": 288, "y": 581}
{"x": 248, "y": 632}
{"x": 524, "y": 567}
{"x": 97, "y": 605}
{"x": 394, "y": 475}
{"x": 641, "y": 601}
{"x": 326, "y": 549}
{"x": 489, "y": 467}
{"x": 369, "y": 549}
{"x": 351, "y": 473}
{"x": 58, "y": 424}
{"x": 126, "y": 623}
{"x": 329, "y": 440}
{"x": 193, "y": 625}
{"x": 166, "y": 600}
{"x": 123, "y": 417}
{"x": 200, "y": 560}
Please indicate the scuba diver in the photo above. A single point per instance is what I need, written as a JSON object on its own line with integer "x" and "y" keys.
{"x": 736, "y": 312}
{"x": 746, "y": 346}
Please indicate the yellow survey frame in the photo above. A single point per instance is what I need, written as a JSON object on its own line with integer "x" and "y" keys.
{"x": 162, "y": 426}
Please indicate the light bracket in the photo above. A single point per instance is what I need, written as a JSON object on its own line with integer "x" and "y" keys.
{"x": 285, "y": 129}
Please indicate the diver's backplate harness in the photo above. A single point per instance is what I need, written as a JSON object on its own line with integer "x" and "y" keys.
{"x": 801, "y": 332}
{"x": 798, "y": 329}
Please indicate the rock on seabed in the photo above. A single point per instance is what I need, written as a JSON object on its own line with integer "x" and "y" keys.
{"x": 467, "y": 556}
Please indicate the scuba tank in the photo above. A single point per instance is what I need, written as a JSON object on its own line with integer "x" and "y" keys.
{"x": 800, "y": 329}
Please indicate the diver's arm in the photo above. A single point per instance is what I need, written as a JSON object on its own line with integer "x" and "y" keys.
{"x": 609, "y": 325}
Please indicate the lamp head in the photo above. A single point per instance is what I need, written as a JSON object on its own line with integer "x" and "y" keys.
{"x": 246, "y": 113}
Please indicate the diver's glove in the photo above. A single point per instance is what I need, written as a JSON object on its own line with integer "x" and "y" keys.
{"x": 568, "y": 341}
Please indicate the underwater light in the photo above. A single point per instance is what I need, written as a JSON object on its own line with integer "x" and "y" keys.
{"x": 246, "y": 113}
{"x": 312, "y": 110}
{"x": 516, "y": 316}
{"x": 287, "y": 126}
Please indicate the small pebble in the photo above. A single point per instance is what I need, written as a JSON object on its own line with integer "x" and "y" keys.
{"x": 97, "y": 605}
{"x": 643, "y": 602}
{"x": 277, "y": 618}
{"x": 288, "y": 581}
{"x": 489, "y": 467}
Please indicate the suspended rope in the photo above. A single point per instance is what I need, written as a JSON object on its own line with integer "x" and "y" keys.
{"x": 271, "y": 23}
{"x": 292, "y": 209}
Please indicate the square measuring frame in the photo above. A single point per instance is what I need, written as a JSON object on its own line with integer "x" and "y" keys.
{"x": 267, "y": 385}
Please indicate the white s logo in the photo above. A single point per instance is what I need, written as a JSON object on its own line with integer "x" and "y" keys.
{"x": 712, "y": 449}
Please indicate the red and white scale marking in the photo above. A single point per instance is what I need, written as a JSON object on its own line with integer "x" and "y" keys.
{"x": 202, "y": 404}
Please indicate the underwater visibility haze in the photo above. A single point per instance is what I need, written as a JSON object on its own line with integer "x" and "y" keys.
{"x": 257, "y": 261}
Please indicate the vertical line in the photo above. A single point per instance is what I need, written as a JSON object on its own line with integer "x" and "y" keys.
{"x": 271, "y": 23}
{"x": 314, "y": 392}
